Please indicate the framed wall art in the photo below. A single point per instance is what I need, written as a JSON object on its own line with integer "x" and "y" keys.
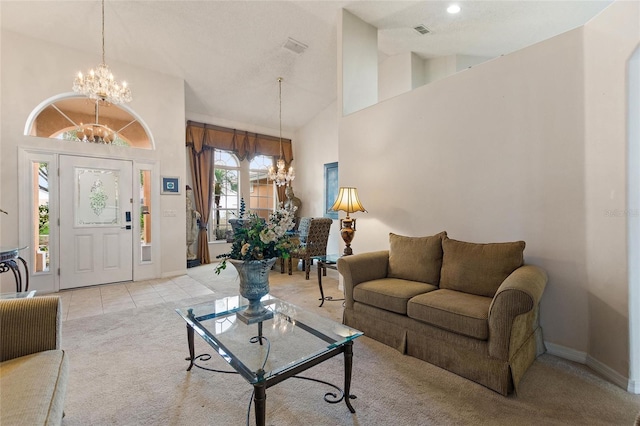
{"x": 170, "y": 185}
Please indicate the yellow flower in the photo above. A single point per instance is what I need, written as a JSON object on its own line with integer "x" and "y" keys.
{"x": 245, "y": 249}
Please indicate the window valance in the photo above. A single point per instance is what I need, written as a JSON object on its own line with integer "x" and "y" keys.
{"x": 244, "y": 144}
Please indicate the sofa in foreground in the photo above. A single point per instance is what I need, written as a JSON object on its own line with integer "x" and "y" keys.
{"x": 469, "y": 308}
{"x": 33, "y": 368}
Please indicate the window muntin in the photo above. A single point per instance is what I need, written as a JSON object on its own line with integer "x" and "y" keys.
{"x": 229, "y": 188}
{"x": 226, "y": 194}
{"x": 61, "y": 116}
{"x": 145, "y": 215}
{"x": 41, "y": 224}
{"x": 261, "y": 198}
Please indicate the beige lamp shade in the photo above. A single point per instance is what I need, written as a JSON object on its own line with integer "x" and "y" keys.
{"x": 348, "y": 201}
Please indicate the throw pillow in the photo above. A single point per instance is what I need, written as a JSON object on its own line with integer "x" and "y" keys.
{"x": 479, "y": 268}
{"x": 416, "y": 258}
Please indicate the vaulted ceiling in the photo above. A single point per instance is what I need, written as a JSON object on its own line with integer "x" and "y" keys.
{"x": 230, "y": 53}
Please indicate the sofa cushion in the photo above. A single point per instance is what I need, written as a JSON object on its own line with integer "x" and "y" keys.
{"x": 478, "y": 268}
{"x": 416, "y": 258}
{"x": 462, "y": 313}
{"x": 33, "y": 388}
{"x": 391, "y": 294}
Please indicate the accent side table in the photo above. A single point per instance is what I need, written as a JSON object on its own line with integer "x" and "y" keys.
{"x": 9, "y": 257}
{"x": 329, "y": 261}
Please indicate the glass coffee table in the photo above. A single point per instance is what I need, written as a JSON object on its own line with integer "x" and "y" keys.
{"x": 268, "y": 352}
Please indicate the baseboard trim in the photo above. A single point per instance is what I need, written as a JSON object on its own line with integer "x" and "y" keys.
{"x": 602, "y": 369}
{"x": 608, "y": 372}
{"x": 566, "y": 353}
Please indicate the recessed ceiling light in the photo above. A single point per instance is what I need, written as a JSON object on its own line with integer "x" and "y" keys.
{"x": 454, "y": 8}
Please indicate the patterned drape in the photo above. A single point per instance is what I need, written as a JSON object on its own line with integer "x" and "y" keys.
{"x": 203, "y": 180}
{"x": 202, "y": 139}
{"x": 242, "y": 143}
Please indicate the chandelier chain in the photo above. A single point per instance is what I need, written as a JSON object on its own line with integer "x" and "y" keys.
{"x": 280, "y": 97}
{"x": 100, "y": 86}
{"x": 103, "y": 61}
{"x": 281, "y": 176}
{"x": 99, "y": 83}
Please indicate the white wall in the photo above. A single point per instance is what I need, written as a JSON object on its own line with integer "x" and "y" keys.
{"x": 437, "y": 68}
{"x": 633, "y": 226}
{"x": 467, "y": 61}
{"x": 316, "y": 144}
{"x": 357, "y": 63}
{"x": 34, "y": 70}
{"x": 516, "y": 148}
{"x": 417, "y": 71}
{"x": 491, "y": 154}
{"x": 610, "y": 40}
{"x": 395, "y": 76}
{"x": 444, "y": 66}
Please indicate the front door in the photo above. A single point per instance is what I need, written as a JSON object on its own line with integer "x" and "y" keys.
{"x": 95, "y": 221}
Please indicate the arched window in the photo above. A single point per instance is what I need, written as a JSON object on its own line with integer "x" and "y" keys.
{"x": 229, "y": 188}
{"x": 226, "y": 194}
{"x": 70, "y": 117}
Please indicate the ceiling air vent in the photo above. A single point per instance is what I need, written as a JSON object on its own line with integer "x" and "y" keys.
{"x": 422, "y": 29}
{"x": 295, "y": 46}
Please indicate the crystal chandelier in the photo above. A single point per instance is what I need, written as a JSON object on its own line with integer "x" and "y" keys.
{"x": 95, "y": 132}
{"x": 282, "y": 176}
{"x": 100, "y": 84}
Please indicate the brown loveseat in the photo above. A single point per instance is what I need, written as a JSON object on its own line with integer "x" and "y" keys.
{"x": 33, "y": 368}
{"x": 469, "y": 308}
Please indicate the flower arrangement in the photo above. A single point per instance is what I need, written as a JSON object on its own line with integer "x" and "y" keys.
{"x": 258, "y": 239}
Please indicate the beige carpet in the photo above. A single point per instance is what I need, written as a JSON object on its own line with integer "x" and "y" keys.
{"x": 128, "y": 368}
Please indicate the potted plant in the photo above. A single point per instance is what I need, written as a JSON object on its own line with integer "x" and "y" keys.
{"x": 256, "y": 246}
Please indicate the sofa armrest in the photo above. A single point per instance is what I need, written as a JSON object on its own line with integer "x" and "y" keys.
{"x": 29, "y": 326}
{"x": 519, "y": 294}
{"x": 362, "y": 267}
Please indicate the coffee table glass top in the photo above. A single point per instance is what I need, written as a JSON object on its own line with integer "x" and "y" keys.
{"x": 292, "y": 337}
{"x": 22, "y": 295}
{"x": 329, "y": 259}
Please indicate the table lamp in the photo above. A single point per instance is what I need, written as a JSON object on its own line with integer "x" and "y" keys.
{"x": 349, "y": 202}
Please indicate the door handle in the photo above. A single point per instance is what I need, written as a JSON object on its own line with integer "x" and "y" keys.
{"x": 126, "y": 227}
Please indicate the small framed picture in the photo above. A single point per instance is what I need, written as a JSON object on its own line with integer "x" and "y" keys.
{"x": 170, "y": 185}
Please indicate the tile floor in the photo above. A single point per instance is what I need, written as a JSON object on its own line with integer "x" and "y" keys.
{"x": 107, "y": 298}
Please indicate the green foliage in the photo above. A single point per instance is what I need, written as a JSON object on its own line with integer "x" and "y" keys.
{"x": 43, "y": 219}
{"x": 258, "y": 239}
{"x": 222, "y": 179}
{"x": 242, "y": 209}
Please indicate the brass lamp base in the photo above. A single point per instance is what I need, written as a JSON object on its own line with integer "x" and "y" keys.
{"x": 347, "y": 231}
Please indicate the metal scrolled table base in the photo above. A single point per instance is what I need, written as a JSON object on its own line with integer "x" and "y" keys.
{"x": 9, "y": 262}
{"x": 258, "y": 397}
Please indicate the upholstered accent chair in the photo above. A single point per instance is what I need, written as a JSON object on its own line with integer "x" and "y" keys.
{"x": 303, "y": 229}
{"x": 33, "y": 369}
{"x": 313, "y": 244}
